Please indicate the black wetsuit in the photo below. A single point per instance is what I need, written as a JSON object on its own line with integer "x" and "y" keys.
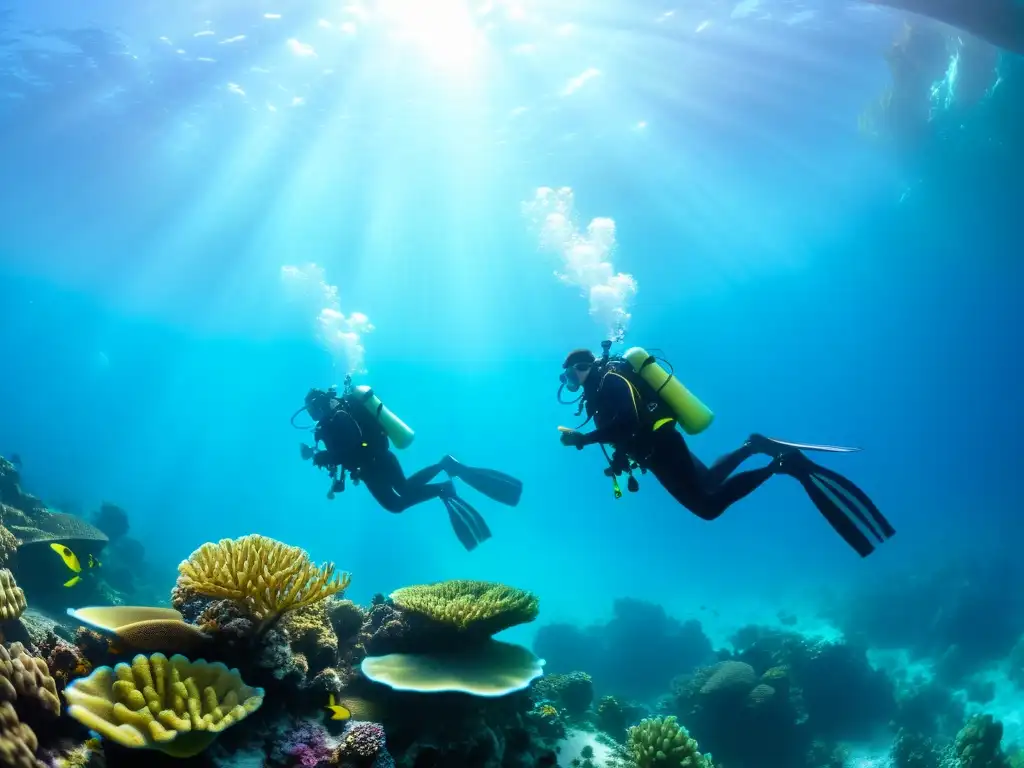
{"x": 622, "y": 421}
{"x": 355, "y": 442}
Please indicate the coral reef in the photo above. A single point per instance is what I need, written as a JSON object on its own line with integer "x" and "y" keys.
{"x": 780, "y": 688}
{"x": 285, "y": 673}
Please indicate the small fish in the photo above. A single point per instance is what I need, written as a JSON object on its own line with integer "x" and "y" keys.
{"x": 71, "y": 561}
{"x": 337, "y": 711}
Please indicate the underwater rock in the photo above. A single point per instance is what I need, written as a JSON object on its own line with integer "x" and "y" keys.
{"x": 914, "y": 750}
{"x": 657, "y": 647}
{"x": 958, "y": 613}
{"x": 979, "y": 743}
{"x": 574, "y": 692}
{"x": 112, "y": 520}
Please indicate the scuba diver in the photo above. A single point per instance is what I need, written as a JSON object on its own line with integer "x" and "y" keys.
{"x": 635, "y": 405}
{"x": 357, "y": 431}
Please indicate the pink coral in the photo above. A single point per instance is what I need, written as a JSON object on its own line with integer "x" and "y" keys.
{"x": 309, "y": 743}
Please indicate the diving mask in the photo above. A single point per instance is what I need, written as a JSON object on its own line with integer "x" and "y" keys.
{"x": 571, "y": 377}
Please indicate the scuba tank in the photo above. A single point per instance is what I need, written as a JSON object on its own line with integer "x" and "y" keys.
{"x": 692, "y": 414}
{"x": 398, "y": 431}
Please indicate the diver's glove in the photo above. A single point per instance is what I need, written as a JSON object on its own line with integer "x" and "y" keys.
{"x": 322, "y": 459}
{"x": 307, "y": 452}
{"x": 573, "y": 438}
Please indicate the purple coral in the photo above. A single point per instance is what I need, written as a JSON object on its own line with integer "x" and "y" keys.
{"x": 309, "y": 744}
{"x": 361, "y": 740}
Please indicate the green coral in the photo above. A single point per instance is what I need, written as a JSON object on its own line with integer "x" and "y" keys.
{"x": 663, "y": 743}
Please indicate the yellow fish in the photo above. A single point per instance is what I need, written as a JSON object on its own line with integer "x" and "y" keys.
{"x": 337, "y": 711}
{"x": 71, "y": 561}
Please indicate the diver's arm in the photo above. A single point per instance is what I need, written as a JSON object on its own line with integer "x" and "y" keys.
{"x": 615, "y": 402}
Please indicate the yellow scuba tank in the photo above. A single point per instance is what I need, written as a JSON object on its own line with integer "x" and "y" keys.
{"x": 692, "y": 414}
{"x": 397, "y": 430}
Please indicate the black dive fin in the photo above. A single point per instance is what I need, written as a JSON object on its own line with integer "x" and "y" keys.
{"x": 839, "y": 501}
{"x": 495, "y": 485}
{"x": 862, "y": 504}
{"x": 812, "y": 446}
{"x": 467, "y": 523}
{"x": 836, "y": 516}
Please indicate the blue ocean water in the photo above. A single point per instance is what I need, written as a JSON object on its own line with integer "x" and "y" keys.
{"x": 163, "y": 165}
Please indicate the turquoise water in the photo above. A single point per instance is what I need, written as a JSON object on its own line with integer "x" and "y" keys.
{"x": 162, "y": 168}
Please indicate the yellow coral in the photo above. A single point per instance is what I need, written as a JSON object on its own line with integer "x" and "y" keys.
{"x": 12, "y": 598}
{"x": 174, "y": 705}
{"x": 464, "y": 604}
{"x": 269, "y": 577}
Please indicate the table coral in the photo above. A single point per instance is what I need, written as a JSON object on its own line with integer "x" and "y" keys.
{"x": 174, "y": 705}
{"x": 269, "y": 577}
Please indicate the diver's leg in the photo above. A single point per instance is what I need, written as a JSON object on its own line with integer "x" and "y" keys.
{"x": 426, "y": 474}
{"x": 413, "y": 490}
{"x": 729, "y": 463}
{"x": 387, "y": 483}
{"x": 680, "y": 473}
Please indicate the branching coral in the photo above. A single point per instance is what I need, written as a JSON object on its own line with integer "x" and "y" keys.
{"x": 269, "y": 577}
{"x": 478, "y": 606}
{"x": 174, "y": 705}
{"x": 12, "y": 598}
{"x": 663, "y": 743}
